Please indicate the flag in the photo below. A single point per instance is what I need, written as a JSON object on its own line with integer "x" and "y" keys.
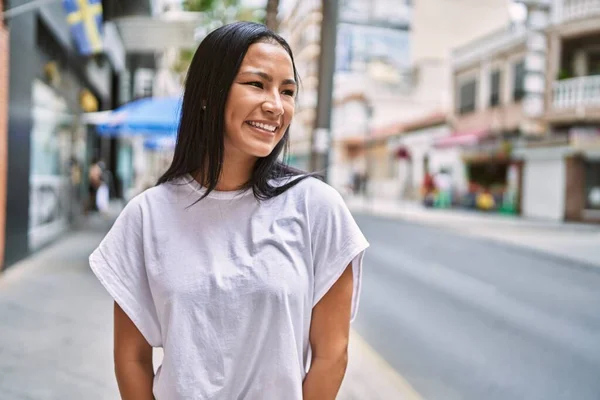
{"x": 85, "y": 19}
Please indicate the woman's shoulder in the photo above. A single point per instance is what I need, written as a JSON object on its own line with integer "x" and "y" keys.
{"x": 316, "y": 192}
{"x": 163, "y": 194}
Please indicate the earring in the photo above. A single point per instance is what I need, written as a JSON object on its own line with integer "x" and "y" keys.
{"x": 204, "y": 107}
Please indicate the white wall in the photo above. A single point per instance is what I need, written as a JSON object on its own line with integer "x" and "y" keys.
{"x": 451, "y": 159}
{"x": 439, "y": 26}
{"x": 419, "y": 144}
{"x": 544, "y": 182}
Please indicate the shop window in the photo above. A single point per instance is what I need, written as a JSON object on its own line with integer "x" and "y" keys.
{"x": 495, "y": 88}
{"x": 467, "y": 97}
{"x": 519, "y": 81}
{"x": 592, "y": 185}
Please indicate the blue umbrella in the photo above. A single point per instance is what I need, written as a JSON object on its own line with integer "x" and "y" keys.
{"x": 151, "y": 116}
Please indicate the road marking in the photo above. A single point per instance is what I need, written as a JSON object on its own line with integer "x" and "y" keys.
{"x": 384, "y": 370}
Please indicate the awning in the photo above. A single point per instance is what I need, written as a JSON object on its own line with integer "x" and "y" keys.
{"x": 95, "y": 118}
{"x": 160, "y": 143}
{"x": 461, "y": 138}
{"x": 145, "y": 117}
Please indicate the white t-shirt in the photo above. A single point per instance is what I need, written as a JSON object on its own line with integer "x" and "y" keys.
{"x": 227, "y": 286}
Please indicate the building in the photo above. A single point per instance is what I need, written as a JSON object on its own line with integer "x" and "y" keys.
{"x": 527, "y": 108}
{"x": 53, "y": 84}
{"x": 371, "y": 54}
{"x": 402, "y": 142}
{"x": 569, "y": 151}
{"x": 488, "y": 78}
{"x": 301, "y": 27}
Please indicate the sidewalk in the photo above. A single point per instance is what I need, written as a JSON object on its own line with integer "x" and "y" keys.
{"x": 574, "y": 241}
{"x": 57, "y": 331}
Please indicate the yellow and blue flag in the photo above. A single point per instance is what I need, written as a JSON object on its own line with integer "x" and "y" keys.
{"x": 85, "y": 19}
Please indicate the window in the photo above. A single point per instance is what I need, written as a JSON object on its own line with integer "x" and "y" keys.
{"x": 467, "y": 97}
{"x": 495, "y": 88}
{"x": 519, "y": 81}
{"x": 592, "y": 185}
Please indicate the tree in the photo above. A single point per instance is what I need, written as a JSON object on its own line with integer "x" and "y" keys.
{"x": 272, "y": 11}
{"x": 215, "y": 13}
{"x": 198, "y": 5}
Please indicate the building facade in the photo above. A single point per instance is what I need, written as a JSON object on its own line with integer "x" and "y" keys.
{"x": 570, "y": 149}
{"x": 370, "y": 63}
{"x": 419, "y": 114}
{"x": 488, "y": 78}
{"x": 49, "y": 144}
{"x": 526, "y": 109}
{"x": 301, "y": 27}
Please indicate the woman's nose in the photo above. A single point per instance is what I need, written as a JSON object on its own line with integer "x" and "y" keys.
{"x": 273, "y": 104}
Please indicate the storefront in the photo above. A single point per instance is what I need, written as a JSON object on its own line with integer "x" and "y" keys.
{"x": 582, "y": 195}
{"x": 47, "y": 140}
{"x": 561, "y": 180}
{"x": 483, "y": 173}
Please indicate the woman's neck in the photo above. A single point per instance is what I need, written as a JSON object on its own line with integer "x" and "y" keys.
{"x": 235, "y": 174}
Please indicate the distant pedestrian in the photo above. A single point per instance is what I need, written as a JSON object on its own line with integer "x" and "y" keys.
{"x": 428, "y": 189}
{"x": 94, "y": 181}
{"x": 443, "y": 184}
{"x": 245, "y": 271}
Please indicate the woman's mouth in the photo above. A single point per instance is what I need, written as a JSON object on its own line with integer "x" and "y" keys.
{"x": 263, "y": 127}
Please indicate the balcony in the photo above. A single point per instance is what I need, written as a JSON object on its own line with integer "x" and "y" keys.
{"x": 489, "y": 45}
{"x": 575, "y": 100}
{"x": 577, "y": 92}
{"x": 568, "y": 10}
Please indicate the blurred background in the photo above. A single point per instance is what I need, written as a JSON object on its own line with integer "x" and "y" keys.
{"x": 464, "y": 136}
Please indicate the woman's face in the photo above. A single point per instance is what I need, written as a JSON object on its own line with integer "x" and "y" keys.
{"x": 260, "y": 104}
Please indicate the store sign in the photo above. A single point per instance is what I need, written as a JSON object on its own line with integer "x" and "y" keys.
{"x": 48, "y": 208}
{"x": 488, "y": 149}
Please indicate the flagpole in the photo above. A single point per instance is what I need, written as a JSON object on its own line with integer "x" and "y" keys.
{"x": 23, "y": 8}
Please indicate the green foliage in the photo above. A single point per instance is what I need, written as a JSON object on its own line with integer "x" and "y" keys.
{"x": 198, "y": 5}
{"x": 216, "y": 13}
{"x": 182, "y": 64}
{"x": 208, "y": 5}
{"x": 563, "y": 74}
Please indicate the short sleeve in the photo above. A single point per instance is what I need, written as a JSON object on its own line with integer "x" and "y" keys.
{"x": 336, "y": 242}
{"x": 119, "y": 265}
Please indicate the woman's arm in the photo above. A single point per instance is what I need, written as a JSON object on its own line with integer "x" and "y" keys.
{"x": 133, "y": 359}
{"x": 329, "y": 333}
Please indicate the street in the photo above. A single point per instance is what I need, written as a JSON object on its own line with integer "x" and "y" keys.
{"x": 467, "y": 318}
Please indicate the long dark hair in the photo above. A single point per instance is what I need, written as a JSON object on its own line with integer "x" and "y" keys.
{"x": 200, "y": 138}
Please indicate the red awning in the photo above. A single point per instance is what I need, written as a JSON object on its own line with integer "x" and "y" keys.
{"x": 461, "y": 138}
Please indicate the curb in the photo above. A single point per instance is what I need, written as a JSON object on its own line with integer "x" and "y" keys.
{"x": 395, "y": 382}
{"x": 584, "y": 262}
{"x": 441, "y": 216}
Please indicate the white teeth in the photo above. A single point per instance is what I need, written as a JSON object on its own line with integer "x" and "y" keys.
{"x": 266, "y": 127}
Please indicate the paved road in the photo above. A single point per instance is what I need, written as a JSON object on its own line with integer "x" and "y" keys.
{"x": 463, "y": 318}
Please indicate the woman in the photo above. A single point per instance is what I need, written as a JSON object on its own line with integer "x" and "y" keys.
{"x": 245, "y": 271}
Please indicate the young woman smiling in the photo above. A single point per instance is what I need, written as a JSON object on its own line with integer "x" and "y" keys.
{"x": 244, "y": 270}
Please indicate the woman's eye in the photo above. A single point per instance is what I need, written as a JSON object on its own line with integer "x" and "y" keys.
{"x": 257, "y": 84}
{"x": 288, "y": 93}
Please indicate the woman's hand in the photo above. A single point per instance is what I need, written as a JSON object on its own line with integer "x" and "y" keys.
{"x": 329, "y": 334}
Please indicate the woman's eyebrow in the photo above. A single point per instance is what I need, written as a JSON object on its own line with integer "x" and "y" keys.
{"x": 268, "y": 77}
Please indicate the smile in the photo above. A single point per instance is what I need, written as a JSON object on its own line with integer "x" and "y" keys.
{"x": 262, "y": 126}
